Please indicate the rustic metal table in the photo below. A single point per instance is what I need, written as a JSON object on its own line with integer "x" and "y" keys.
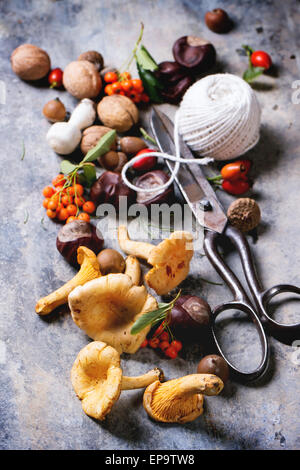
{"x": 38, "y": 408}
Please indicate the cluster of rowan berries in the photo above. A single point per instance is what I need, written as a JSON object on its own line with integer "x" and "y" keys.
{"x": 123, "y": 84}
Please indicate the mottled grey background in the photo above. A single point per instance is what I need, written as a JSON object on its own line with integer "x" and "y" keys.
{"x": 38, "y": 408}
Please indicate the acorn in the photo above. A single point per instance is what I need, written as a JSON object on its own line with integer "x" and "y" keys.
{"x": 244, "y": 214}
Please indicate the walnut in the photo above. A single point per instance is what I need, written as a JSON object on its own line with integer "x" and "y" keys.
{"x": 30, "y": 62}
{"x": 82, "y": 80}
{"x": 91, "y": 137}
{"x": 244, "y": 214}
{"x": 118, "y": 112}
{"x": 94, "y": 57}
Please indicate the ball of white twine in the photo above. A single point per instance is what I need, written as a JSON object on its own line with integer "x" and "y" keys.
{"x": 218, "y": 117}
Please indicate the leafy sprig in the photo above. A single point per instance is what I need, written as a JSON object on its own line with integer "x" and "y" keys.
{"x": 155, "y": 316}
{"x": 252, "y": 72}
{"x": 70, "y": 170}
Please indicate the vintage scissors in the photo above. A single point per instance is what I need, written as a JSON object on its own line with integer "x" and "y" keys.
{"x": 208, "y": 211}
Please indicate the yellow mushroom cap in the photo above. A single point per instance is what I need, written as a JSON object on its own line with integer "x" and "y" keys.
{"x": 106, "y": 309}
{"x": 96, "y": 378}
{"x": 171, "y": 262}
{"x": 180, "y": 400}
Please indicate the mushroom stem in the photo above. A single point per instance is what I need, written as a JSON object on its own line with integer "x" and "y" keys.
{"x": 142, "y": 381}
{"x": 130, "y": 247}
{"x": 192, "y": 384}
{"x": 89, "y": 269}
{"x": 133, "y": 269}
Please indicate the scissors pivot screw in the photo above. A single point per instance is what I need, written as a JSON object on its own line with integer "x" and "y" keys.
{"x": 205, "y": 205}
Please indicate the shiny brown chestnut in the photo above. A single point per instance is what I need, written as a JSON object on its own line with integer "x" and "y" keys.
{"x": 150, "y": 180}
{"x": 189, "y": 317}
{"x": 170, "y": 72}
{"x": 194, "y": 53}
{"x": 174, "y": 93}
{"x": 214, "y": 364}
{"x": 218, "y": 21}
{"x": 75, "y": 234}
{"x": 108, "y": 188}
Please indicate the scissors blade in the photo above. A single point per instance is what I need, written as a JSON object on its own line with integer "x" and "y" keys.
{"x": 190, "y": 179}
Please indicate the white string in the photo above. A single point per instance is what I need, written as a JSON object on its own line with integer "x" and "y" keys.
{"x": 165, "y": 156}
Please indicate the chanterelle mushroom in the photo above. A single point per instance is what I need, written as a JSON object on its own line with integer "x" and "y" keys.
{"x": 170, "y": 259}
{"x": 89, "y": 269}
{"x": 97, "y": 378}
{"x": 106, "y": 308}
{"x": 180, "y": 400}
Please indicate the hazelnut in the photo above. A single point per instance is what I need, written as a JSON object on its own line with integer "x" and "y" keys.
{"x": 82, "y": 80}
{"x": 110, "y": 261}
{"x": 214, "y": 364}
{"x": 94, "y": 57}
{"x": 91, "y": 136}
{"x": 132, "y": 145}
{"x": 113, "y": 161}
{"x": 218, "y": 21}
{"x": 118, "y": 112}
{"x": 54, "y": 111}
{"x": 244, "y": 214}
{"x": 30, "y": 62}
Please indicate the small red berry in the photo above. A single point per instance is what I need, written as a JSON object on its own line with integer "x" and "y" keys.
{"x": 153, "y": 343}
{"x": 144, "y": 163}
{"x": 177, "y": 345}
{"x": 164, "y": 345}
{"x": 261, "y": 59}
{"x": 171, "y": 352}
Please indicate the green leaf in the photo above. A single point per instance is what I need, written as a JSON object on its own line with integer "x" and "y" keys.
{"x": 148, "y": 319}
{"x": 67, "y": 167}
{"x": 89, "y": 172}
{"x": 101, "y": 148}
{"x": 145, "y": 60}
{"x": 151, "y": 84}
{"x": 252, "y": 72}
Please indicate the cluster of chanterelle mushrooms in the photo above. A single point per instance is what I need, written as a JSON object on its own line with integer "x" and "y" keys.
{"x": 105, "y": 307}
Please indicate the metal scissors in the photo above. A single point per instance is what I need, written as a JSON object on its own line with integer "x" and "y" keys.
{"x": 208, "y": 211}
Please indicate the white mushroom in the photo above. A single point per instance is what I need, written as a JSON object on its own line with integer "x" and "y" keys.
{"x": 64, "y": 137}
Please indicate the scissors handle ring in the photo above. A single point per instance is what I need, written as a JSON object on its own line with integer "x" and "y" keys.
{"x": 243, "y": 307}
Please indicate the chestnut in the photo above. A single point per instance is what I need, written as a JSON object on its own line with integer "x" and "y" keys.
{"x": 194, "y": 53}
{"x": 152, "y": 179}
{"x": 214, "y": 364}
{"x": 170, "y": 72}
{"x": 189, "y": 316}
{"x": 108, "y": 188}
{"x": 75, "y": 234}
{"x": 218, "y": 21}
{"x": 110, "y": 261}
{"x": 173, "y": 93}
